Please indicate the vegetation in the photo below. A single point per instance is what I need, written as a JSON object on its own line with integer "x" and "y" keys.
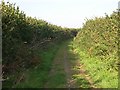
{"x": 97, "y": 45}
{"x": 30, "y": 45}
{"x": 22, "y": 35}
{"x": 34, "y": 77}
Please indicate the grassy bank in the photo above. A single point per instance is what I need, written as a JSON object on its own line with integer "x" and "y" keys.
{"x": 97, "y": 69}
{"x": 97, "y": 46}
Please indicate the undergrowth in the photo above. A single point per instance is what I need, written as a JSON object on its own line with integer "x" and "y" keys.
{"x": 102, "y": 76}
{"x": 35, "y": 77}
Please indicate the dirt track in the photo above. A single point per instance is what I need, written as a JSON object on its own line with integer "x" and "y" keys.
{"x": 62, "y": 72}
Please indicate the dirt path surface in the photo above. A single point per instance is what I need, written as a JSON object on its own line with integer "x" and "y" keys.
{"x": 67, "y": 72}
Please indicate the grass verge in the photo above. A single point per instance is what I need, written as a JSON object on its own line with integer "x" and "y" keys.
{"x": 97, "y": 70}
{"x": 35, "y": 77}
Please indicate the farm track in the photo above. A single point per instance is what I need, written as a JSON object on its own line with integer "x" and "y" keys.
{"x": 63, "y": 68}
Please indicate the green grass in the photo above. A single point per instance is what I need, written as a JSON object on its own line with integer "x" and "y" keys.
{"x": 35, "y": 77}
{"x": 97, "y": 69}
{"x": 81, "y": 81}
{"x": 79, "y": 78}
{"x": 57, "y": 81}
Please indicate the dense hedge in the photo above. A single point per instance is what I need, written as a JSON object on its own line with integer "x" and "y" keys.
{"x": 99, "y": 38}
{"x": 20, "y": 33}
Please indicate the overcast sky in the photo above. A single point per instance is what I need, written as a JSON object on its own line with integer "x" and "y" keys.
{"x": 66, "y": 13}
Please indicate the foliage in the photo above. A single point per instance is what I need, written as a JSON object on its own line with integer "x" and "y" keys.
{"x": 99, "y": 37}
{"x": 97, "y": 45}
{"x": 35, "y": 77}
{"x": 22, "y": 34}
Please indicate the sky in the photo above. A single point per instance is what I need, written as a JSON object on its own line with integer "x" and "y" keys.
{"x": 66, "y": 13}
